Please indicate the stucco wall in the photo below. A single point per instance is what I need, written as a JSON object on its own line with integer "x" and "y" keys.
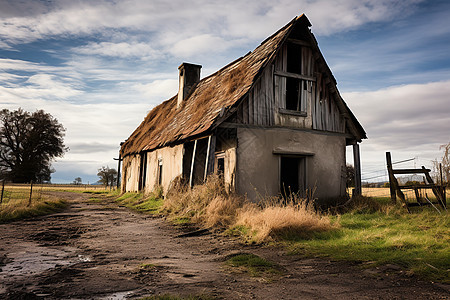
{"x": 130, "y": 174}
{"x": 172, "y": 164}
{"x": 258, "y": 166}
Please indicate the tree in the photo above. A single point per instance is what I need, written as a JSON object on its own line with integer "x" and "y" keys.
{"x": 350, "y": 173}
{"x": 107, "y": 176}
{"x": 445, "y": 163}
{"x": 77, "y": 181}
{"x": 28, "y": 144}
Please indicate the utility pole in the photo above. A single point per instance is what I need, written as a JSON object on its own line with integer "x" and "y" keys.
{"x": 118, "y": 166}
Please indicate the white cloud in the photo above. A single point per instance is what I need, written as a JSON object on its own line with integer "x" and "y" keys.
{"x": 199, "y": 45}
{"x": 250, "y": 19}
{"x": 40, "y": 86}
{"x": 119, "y": 50}
{"x": 158, "y": 90}
{"x": 409, "y": 120}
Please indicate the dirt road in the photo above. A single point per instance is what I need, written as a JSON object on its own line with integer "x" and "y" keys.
{"x": 102, "y": 251}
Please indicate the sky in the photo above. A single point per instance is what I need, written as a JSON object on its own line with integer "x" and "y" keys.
{"x": 99, "y": 66}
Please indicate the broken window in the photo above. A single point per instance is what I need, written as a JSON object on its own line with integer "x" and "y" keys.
{"x": 293, "y": 79}
{"x": 294, "y": 58}
{"x": 160, "y": 167}
{"x": 292, "y": 175}
{"x": 220, "y": 163}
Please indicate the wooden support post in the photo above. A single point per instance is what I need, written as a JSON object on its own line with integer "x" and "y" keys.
{"x": 209, "y": 165}
{"x": 118, "y": 170}
{"x": 357, "y": 162}
{"x": 207, "y": 158}
{"x": 191, "y": 175}
{"x": 391, "y": 176}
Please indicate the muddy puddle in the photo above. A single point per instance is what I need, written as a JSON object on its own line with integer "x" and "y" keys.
{"x": 31, "y": 259}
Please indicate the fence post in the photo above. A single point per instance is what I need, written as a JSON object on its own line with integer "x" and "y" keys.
{"x": 31, "y": 193}
{"x": 3, "y": 189}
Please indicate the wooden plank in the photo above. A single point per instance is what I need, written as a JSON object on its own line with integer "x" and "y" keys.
{"x": 245, "y": 110}
{"x": 391, "y": 176}
{"x": 270, "y": 95}
{"x": 357, "y": 162}
{"x": 207, "y": 158}
{"x": 191, "y": 175}
{"x": 250, "y": 107}
{"x": 437, "y": 191}
{"x": 299, "y": 42}
{"x": 410, "y": 171}
{"x": 294, "y": 75}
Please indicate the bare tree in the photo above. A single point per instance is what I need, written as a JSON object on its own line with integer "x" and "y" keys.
{"x": 445, "y": 163}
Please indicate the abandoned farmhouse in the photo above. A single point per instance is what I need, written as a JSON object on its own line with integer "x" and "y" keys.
{"x": 270, "y": 122}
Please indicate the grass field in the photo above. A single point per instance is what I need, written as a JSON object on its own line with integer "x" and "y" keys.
{"x": 418, "y": 242}
{"x": 16, "y": 202}
{"x": 372, "y": 231}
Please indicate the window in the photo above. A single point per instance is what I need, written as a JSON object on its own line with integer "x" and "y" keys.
{"x": 294, "y": 58}
{"x": 220, "y": 163}
{"x": 160, "y": 165}
{"x": 294, "y": 83}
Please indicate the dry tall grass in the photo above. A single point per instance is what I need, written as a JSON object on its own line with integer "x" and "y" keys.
{"x": 207, "y": 204}
{"x": 210, "y": 206}
{"x": 287, "y": 221}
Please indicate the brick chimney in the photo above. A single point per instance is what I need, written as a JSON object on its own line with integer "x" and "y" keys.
{"x": 189, "y": 76}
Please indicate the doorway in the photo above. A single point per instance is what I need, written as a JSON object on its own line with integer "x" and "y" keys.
{"x": 292, "y": 175}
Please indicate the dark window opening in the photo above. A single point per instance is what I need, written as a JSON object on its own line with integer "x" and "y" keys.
{"x": 220, "y": 166}
{"x": 292, "y": 94}
{"x": 292, "y": 175}
{"x": 294, "y": 58}
{"x": 143, "y": 171}
{"x": 296, "y": 93}
{"x": 160, "y": 172}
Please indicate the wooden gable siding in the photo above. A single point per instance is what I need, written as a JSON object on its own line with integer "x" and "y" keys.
{"x": 258, "y": 106}
{"x": 262, "y": 104}
{"x": 325, "y": 112}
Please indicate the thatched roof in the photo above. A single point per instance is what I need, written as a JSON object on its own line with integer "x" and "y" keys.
{"x": 208, "y": 101}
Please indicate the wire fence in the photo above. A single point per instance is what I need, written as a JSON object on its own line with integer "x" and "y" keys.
{"x": 34, "y": 192}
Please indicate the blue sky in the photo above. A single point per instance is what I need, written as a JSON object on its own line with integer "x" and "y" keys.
{"x": 99, "y": 66}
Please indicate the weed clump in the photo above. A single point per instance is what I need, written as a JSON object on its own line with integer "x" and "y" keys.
{"x": 210, "y": 205}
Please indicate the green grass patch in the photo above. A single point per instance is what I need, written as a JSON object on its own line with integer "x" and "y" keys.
{"x": 181, "y": 221}
{"x": 419, "y": 242}
{"x": 95, "y": 192}
{"x": 146, "y": 266}
{"x": 238, "y": 231}
{"x": 253, "y": 265}
{"x": 17, "y": 209}
{"x": 151, "y": 204}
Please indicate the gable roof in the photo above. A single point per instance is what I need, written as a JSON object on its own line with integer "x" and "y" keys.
{"x": 168, "y": 125}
